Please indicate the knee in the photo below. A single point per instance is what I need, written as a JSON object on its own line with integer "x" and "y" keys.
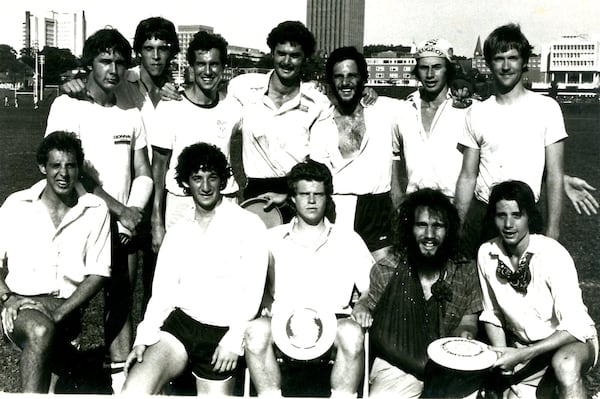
{"x": 567, "y": 367}
{"x": 258, "y": 335}
{"x": 349, "y": 338}
{"x": 39, "y": 335}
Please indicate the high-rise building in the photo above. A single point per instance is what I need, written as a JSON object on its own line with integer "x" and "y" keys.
{"x": 336, "y": 23}
{"x": 55, "y": 29}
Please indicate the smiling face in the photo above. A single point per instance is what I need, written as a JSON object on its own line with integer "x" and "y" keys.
{"x": 205, "y": 187}
{"x": 108, "y": 70}
{"x": 61, "y": 171}
{"x": 507, "y": 68}
{"x": 513, "y": 226}
{"x": 429, "y": 231}
{"x": 155, "y": 56}
{"x": 432, "y": 72}
{"x": 310, "y": 200}
{"x": 208, "y": 70}
{"x": 287, "y": 61}
{"x": 347, "y": 82}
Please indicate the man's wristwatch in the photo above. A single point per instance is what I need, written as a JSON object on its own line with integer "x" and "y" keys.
{"x": 4, "y": 297}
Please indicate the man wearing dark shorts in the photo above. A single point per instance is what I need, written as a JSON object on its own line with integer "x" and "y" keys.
{"x": 209, "y": 280}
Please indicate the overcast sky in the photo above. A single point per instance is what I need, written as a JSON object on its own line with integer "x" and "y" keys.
{"x": 247, "y": 22}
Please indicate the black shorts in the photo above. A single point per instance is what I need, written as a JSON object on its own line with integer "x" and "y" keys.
{"x": 200, "y": 341}
{"x": 372, "y": 220}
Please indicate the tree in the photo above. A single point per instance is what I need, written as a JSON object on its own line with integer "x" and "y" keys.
{"x": 58, "y": 60}
{"x": 12, "y": 68}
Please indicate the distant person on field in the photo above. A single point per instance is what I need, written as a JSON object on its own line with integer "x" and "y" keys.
{"x": 55, "y": 249}
{"x": 209, "y": 281}
{"x": 533, "y": 311}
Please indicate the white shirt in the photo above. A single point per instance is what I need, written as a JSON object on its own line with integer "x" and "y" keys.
{"x": 44, "y": 259}
{"x": 183, "y": 123}
{"x": 432, "y": 159}
{"x": 512, "y": 140}
{"x": 322, "y": 275}
{"x": 275, "y": 139}
{"x": 109, "y": 136}
{"x": 216, "y": 277}
{"x": 553, "y": 300}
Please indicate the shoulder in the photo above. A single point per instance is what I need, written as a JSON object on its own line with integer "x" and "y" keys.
{"x": 548, "y": 247}
{"x": 310, "y": 91}
{"x": 539, "y": 100}
{"x": 246, "y": 82}
{"x": 245, "y": 218}
{"x": 66, "y": 101}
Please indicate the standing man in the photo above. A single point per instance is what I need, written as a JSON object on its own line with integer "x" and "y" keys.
{"x": 55, "y": 245}
{"x": 203, "y": 115}
{"x": 313, "y": 263}
{"x": 533, "y": 312}
{"x": 202, "y": 300}
{"x": 117, "y": 170}
{"x": 361, "y": 156}
{"x": 284, "y": 119}
{"x": 421, "y": 292}
{"x": 515, "y": 134}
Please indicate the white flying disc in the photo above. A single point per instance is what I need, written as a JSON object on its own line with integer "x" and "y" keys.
{"x": 270, "y": 218}
{"x": 303, "y": 333}
{"x": 461, "y": 354}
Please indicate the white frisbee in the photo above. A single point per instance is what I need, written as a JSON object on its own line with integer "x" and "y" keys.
{"x": 270, "y": 218}
{"x": 461, "y": 354}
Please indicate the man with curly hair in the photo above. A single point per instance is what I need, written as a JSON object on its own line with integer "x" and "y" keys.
{"x": 421, "y": 292}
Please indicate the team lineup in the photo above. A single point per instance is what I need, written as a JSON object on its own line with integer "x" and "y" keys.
{"x": 403, "y": 225}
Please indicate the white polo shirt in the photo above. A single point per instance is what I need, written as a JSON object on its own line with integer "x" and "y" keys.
{"x": 512, "y": 140}
{"x": 43, "y": 259}
{"x": 275, "y": 139}
{"x": 109, "y": 136}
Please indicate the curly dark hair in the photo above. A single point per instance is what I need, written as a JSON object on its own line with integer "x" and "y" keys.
{"x": 293, "y": 32}
{"x": 346, "y": 53}
{"x": 437, "y": 203}
{"x": 61, "y": 141}
{"x": 156, "y": 28}
{"x": 312, "y": 170}
{"x": 106, "y": 40}
{"x": 206, "y": 41}
{"x": 521, "y": 193}
{"x": 201, "y": 156}
{"x": 505, "y": 38}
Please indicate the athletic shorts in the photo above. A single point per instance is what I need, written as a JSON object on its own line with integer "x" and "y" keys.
{"x": 200, "y": 341}
{"x": 372, "y": 220}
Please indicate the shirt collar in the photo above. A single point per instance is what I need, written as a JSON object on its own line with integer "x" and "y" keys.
{"x": 86, "y": 200}
{"x": 535, "y": 246}
{"x": 133, "y": 74}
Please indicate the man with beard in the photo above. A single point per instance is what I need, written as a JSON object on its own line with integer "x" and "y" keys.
{"x": 421, "y": 292}
{"x": 361, "y": 155}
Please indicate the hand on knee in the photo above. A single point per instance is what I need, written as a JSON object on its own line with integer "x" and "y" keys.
{"x": 350, "y": 337}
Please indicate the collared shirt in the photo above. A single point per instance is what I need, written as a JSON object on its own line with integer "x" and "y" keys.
{"x": 553, "y": 300}
{"x": 321, "y": 275}
{"x": 216, "y": 277}
{"x": 370, "y": 171}
{"x": 432, "y": 159}
{"x": 275, "y": 139}
{"x": 512, "y": 140}
{"x": 109, "y": 136}
{"x": 44, "y": 259}
{"x": 183, "y": 123}
{"x": 461, "y": 276}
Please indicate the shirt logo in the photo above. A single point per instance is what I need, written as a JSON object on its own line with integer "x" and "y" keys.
{"x": 122, "y": 138}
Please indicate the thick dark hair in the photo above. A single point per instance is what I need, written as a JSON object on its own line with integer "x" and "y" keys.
{"x": 156, "y": 28}
{"x": 207, "y": 41}
{"x": 346, "y": 53}
{"x": 451, "y": 70}
{"x": 293, "y": 32}
{"x": 61, "y": 141}
{"x": 103, "y": 41}
{"x": 521, "y": 193}
{"x": 505, "y": 38}
{"x": 312, "y": 170}
{"x": 437, "y": 203}
{"x": 205, "y": 157}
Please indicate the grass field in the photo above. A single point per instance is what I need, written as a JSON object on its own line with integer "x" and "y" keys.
{"x": 22, "y": 128}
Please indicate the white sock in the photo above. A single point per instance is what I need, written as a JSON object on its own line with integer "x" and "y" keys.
{"x": 117, "y": 376}
{"x": 271, "y": 395}
{"x": 343, "y": 395}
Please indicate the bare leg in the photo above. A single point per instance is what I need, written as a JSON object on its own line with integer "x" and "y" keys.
{"x": 570, "y": 363}
{"x": 162, "y": 362}
{"x": 348, "y": 367}
{"x": 215, "y": 388}
{"x": 260, "y": 357}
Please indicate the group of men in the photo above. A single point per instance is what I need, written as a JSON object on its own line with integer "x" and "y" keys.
{"x": 376, "y": 195}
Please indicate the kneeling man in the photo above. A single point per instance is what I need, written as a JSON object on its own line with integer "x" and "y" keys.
{"x": 533, "y": 312}
{"x": 209, "y": 280}
{"x": 55, "y": 243}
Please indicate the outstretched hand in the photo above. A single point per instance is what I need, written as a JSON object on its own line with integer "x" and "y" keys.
{"x": 578, "y": 192}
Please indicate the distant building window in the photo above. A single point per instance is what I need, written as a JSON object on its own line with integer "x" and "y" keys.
{"x": 394, "y": 75}
{"x": 394, "y": 69}
{"x": 380, "y": 68}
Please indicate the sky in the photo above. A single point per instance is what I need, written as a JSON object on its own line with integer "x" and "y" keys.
{"x": 247, "y": 22}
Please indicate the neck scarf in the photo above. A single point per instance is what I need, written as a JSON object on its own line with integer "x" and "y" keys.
{"x": 518, "y": 279}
